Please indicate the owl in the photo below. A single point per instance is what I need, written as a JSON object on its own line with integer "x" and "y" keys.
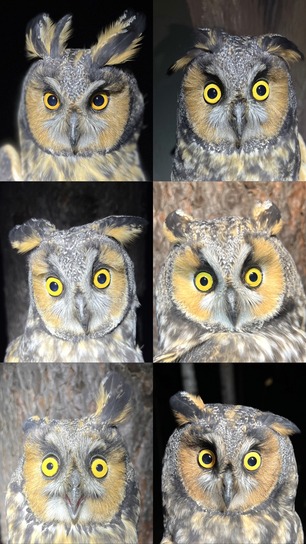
{"x": 229, "y": 476}
{"x": 75, "y": 482}
{"x": 82, "y": 292}
{"x": 237, "y": 117}
{"x": 229, "y": 291}
{"x": 80, "y": 113}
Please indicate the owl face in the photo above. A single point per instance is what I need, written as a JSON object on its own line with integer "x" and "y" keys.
{"x": 77, "y": 101}
{"x": 81, "y": 280}
{"x": 237, "y": 89}
{"x": 231, "y": 469}
{"x": 230, "y": 274}
{"x": 229, "y": 474}
{"x": 74, "y": 473}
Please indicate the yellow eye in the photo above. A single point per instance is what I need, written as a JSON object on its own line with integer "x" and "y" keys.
{"x": 204, "y": 281}
{"x": 261, "y": 90}
{"x": 102, "y": 278}
{"x": 51, "y": 101}
{"x": 99, "y": 467}
{"x": 54, "y": 287}
{"x": 253, "y": 277}
{"x": 99, "y": 101}
{"x": 212, "y": 93}
{"x": 207, "y": 459}
{"x": 252, "y": 460}
{"x": 50, "y": 466}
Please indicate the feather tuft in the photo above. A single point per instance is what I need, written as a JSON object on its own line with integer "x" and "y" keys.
{"x": 119, "y": 42}
{"x": 45, "y": 38}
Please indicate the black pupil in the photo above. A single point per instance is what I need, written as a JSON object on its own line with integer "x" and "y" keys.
{"x": 253, "y": 277}
{"x": 98, "y": 100}
{"x": 252, "y": 461}
{"x": 207, "y": 458}
{"x": 204, "y": 281}
{"x": 212, "y": 93}
{"x": 261, "y": 90}
{"x": 99, "y": 467}
{"x": 52, "y": 100}
{"x": 50, "y": 466}
{"x": 101, "y": 278}
{"x": 54, "y": 286}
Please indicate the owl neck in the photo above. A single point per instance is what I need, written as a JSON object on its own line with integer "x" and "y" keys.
{"x": 119, "y": 345}
{"x": 120, "y": 164}
{"x": 196, "y": 159}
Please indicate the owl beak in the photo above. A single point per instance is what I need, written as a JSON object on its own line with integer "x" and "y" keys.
{"x": 238, "y": 120}
{"x": 232, "y": 309}
{"x": 74, "y": 133}
{"x": 228, "y": 487}
{"x": 82, "y": 313}
{"x": 74, "y": 498}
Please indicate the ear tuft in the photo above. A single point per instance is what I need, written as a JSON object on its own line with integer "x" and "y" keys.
{"x": 268, "y": 217}
{"x": 45, "y": 38}
{"x": 34, "y": 422}
{"x": 279, "y": 424}
{"x": 28, "y": 236}
{"x": 186, "y": 407}
{"x": 113, "y": 403}
{"x": 120, "y": 41}
{"x": 124, "y": 228}
{"x": 176, "y": 225}
{"x": 280, "y": 46}
{"x": 208, "y": 41}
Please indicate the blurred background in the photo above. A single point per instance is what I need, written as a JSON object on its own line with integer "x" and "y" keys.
{"x": 174, "y": 22}
{"x": 279, "y": 389}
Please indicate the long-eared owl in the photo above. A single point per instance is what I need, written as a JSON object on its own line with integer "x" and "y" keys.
{"x": 229, "y": 475}
{"x": 80, "y": 113}
{"x": 237, "y": 117}
{"x": 82, "y": 292}
{"x": 229, "y": 291}
{"x": 75, "y": 482}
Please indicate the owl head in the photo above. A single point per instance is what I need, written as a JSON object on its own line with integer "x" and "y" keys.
{"x": 227, "y": 459}
{"x": 81, "y": 280}
{"x": 77, "y": 473}
{"x": 229, "y": 274}
{"x": 237, "y": 89}
{"x": 81, "y": 101}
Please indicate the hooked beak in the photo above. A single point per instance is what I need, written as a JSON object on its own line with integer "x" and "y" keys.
{"x": 74, "y": 498}
{"x": 74, "y": 133}
{"x": 227, "y": 487}
{"x": 232, "y": 306}
{"x": 81, "y": 311}
{"x": 238, "y": 120}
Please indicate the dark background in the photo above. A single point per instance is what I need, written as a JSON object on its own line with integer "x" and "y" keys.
{"x": 65, "y": 205}
{"x": 278, "y": 388}
{"x": 89, "y": 18}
